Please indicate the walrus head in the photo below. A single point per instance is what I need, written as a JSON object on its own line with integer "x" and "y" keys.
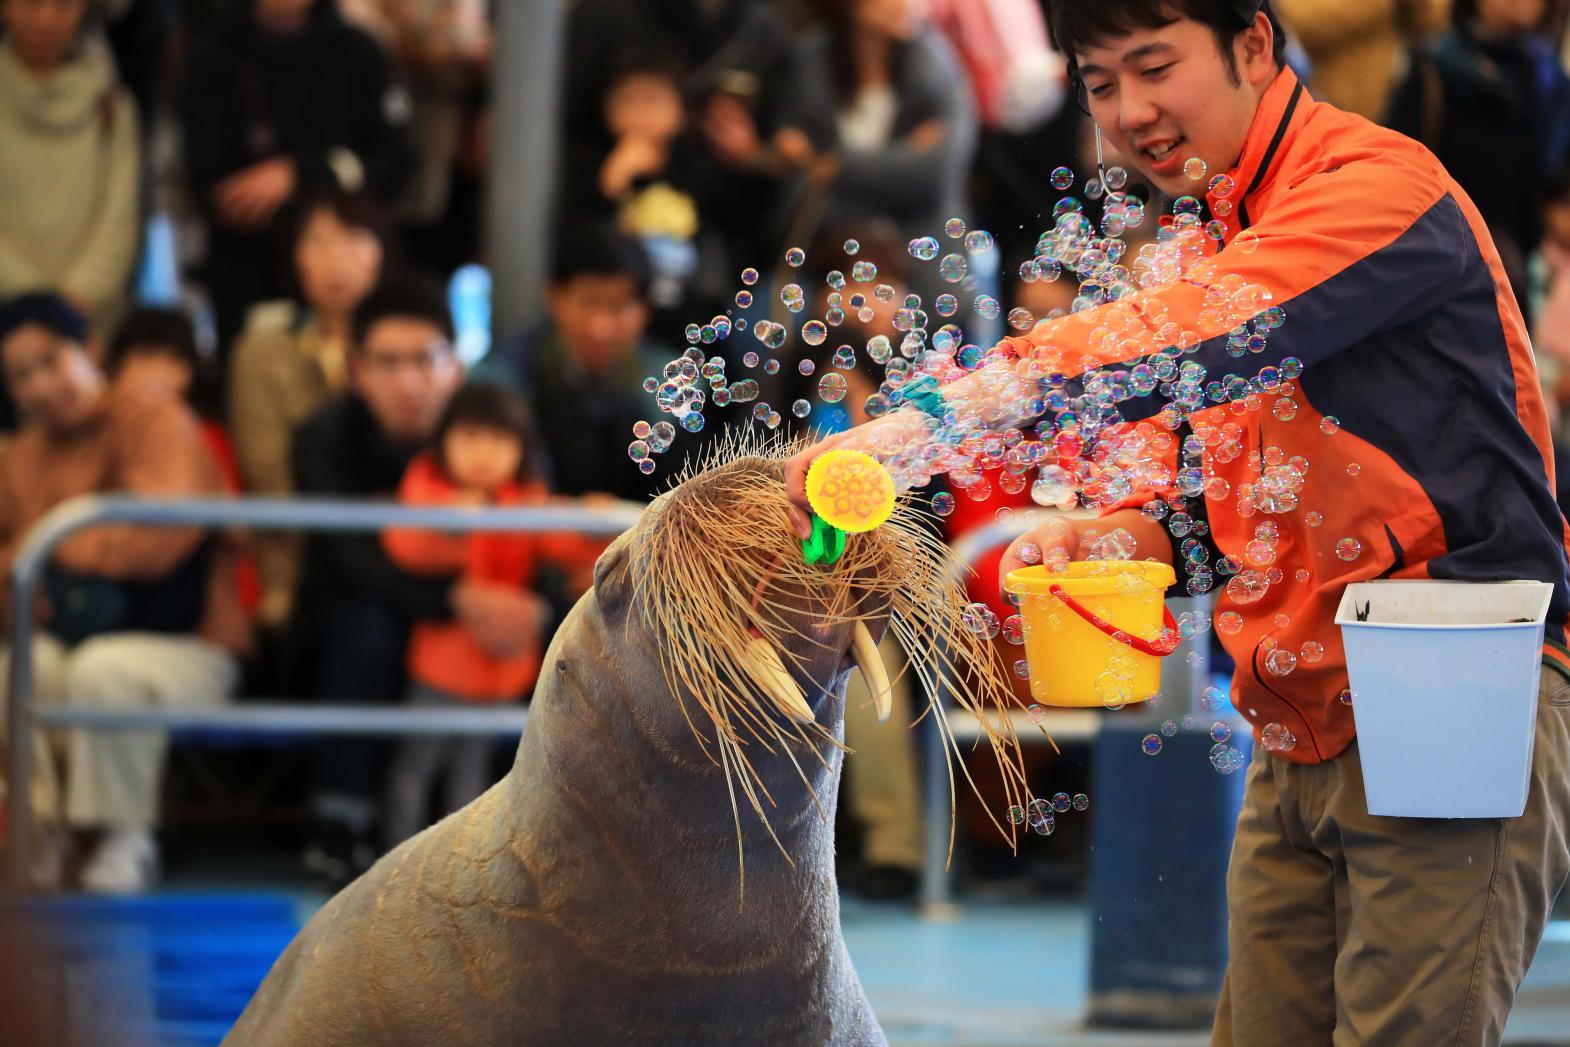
{"x": 756, "y": 644}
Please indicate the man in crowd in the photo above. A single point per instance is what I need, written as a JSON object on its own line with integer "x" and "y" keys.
{"x": 129, "y": 616}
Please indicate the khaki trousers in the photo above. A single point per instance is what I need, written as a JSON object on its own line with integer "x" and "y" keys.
{"x": 95, "y": 779}
{"x": 1351, "y": 929}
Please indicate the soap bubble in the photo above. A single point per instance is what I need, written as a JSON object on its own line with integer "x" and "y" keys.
{"x": 794, "y": 257}
{"x": 1062, "y": 178}
{"x": 641, "y": 430}
{"x": 953, "y": 268}
{"x": 852, "y": 246}
{"x": 1022, "y": 669}
{"x": 954, "y": 228}
{"x": 832, "y": 387}
{"x": 1014, "y": 629}
{"x": 792, "y": 296}
{"x": 806, "y": 367}
{"x": 1213, "y": 698}
{"x": 814, "y": 332}
{"x": 946, "y": 305}
{"x": 924, "y": 247}
{"x": 1277, "y": 738}
{"x": 749, "y": 276}
{"x": 1281, "y": 661}
{"x": 1220, "y": 731}
{"x": 801, "y": 408}
{"x": 1195, "y": 169}
{"x": 1349, "y": 549}
{"x": 638, "y": 450}
{"x": 1021, "y": 319}
{"x": 1311, "y": 652}
{"x": 1061, "y": 802}
{"x": 1151, "y": 745}
{"x": 1229, "y": 623}
{"x": 1226, "y": 760}
{"x": 1081, "y": 802}
{"x": 942, "y": 504}
{"x": 1016, "y": 814}
{"x": 979, "y": 241}
{"x": 1347, "y": 696}
{"x": 1169, "y": 728}
{"x": 1029, "y": 553}
{"x": 981, "y": 620}
{"x": 864, "y": 272}
{"x": 1330, "y": 425}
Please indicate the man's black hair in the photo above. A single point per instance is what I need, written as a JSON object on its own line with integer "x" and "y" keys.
{"x": 598, "y": 249}
{"x": 44, "y": 309}
{"x": 407, "y": 295}
{"x": 1078, "y": 24}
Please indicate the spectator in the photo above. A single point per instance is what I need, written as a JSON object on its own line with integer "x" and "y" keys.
{"x": 906, "y": 121}
{"x": 651, "y": 179}
{"x": 485, "y": 451}
{"x": 1358, "y": 47}
{"x": 154, "y": 353}
{"x": 284, "y": 97}
{"x": 294, "y": 355}
{"x": 583, "y": 368}
{"x": 131, "y": 617}
{"x": 1492, "y": 101}
{"x": 443, "y": 52}
{"x": 68, "y": 183}
{"x": 356, "y": 606}
{"x": 750, "y": 105}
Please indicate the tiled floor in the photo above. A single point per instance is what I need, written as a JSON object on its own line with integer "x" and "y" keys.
{"x": 1015, "y": 975}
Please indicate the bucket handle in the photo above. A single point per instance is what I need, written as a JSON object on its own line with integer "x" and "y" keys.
{"x": 1154, "y": 648}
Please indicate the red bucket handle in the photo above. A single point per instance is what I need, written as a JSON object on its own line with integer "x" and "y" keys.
{"x": 1151, "y": 647}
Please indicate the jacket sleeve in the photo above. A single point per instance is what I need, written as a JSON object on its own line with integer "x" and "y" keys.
{"x": 1346, "y": 253}
{"x": 359, "y": 559}
{"x": 161, "y": 454}
{"x": 424, "y": 551}
{"x": 379, "y": 147}
{"x": 212, "y": 126}
{"x": 102, "y": 265}
{"x": 256, "y": 416}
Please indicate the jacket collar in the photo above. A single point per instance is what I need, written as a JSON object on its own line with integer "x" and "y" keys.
{"x": 1282, "y": 110}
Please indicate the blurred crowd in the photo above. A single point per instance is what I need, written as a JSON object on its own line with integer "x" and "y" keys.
{"x": 240, "y": 244}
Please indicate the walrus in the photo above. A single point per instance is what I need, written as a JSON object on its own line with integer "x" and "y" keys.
{"x": 657, "y": 867}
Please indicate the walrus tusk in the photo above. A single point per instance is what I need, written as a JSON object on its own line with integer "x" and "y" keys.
{"x": 762, "y": 663}
{"x": 870, "y": 661}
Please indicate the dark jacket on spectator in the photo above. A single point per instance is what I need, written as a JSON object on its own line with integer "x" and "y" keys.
{"x": 340, "y": 452}
{"x": 1497, "y": 114}
{"x": 918, "y": 189}
{"x": 586, "y": 420}
{"x": 319, "y": 96}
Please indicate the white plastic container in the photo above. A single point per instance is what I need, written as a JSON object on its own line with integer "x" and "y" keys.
{"x": 1444, "y": 677}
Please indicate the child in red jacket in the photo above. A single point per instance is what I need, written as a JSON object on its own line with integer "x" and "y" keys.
{"x": 484, "y": 453}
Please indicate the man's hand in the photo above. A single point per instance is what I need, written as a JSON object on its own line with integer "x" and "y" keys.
{"x": 1061, "y": 539}
{"x": 880, "y": 434}
{"x": 504, "y": 621}
{"x": 248, "y": 199}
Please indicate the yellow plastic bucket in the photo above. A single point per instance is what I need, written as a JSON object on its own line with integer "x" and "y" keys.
{"x": 1096, "y": 632}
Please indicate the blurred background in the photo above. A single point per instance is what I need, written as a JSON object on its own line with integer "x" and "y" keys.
{"x": 206, "y": 207}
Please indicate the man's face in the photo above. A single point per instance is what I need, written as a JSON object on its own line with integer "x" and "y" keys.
{"x": 52, "y": 379}
{"x": 1165, "y": 96}
{"x": 155, "y": 371}
{"x": 645, "y": 105}
{"x": 405, "y": 372}
{"x": 600, "y": 318}
{"x": 42, "y": 31}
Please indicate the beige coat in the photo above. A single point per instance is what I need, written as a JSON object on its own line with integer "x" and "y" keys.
{"x": 282, "y": 370}
{"x": 69, "y": 170}
{"x": 1359, "y": 46}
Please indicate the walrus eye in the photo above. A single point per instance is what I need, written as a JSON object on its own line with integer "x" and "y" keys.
{"x": 762, "y": 664}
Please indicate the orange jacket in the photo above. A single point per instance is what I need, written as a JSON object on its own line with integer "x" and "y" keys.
{"x": 1438, "y": 462}
{"x": 441, "y": 653}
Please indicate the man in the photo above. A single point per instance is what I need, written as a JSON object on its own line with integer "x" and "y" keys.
{"x": 356, "y": 607}
{"x": 583, "y": 369}
{"x": 285, "y": 96}
{"x": 1428, "y": 451}
{"x": 131, "y": 616}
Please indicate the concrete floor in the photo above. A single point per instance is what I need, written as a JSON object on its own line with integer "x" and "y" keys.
{"x": 1012, "y": 975}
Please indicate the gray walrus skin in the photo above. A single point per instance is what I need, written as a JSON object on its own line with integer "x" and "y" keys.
{"x": 591, "y": 896}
